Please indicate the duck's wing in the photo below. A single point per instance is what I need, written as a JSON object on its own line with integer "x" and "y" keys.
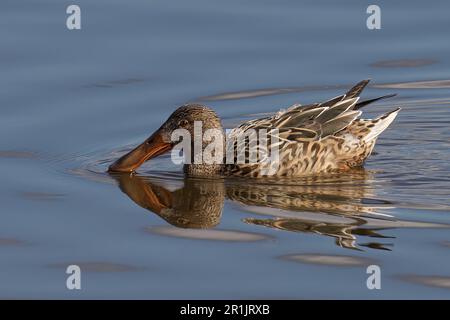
{"x": 311, "y": 122}
{"x": 303, "y": 124}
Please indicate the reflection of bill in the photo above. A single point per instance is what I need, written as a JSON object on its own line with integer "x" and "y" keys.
{"x": 197, "y": 205}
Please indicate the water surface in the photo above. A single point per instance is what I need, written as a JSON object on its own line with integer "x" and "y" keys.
{"x": 72, "y": 101}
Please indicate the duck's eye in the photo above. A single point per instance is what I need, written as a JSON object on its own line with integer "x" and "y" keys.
{"x": 183, "y": 123}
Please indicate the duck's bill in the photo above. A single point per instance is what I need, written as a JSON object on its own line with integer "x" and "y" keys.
{"x": 150, "y": 148}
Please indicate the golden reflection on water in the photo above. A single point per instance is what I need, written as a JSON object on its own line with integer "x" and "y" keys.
{"x": 333, "y": 206}
{"x": 207, "y": 234}
{"x": 343, "y": 207}
{"x": 329, "y": 260}
{"x": 426, "y": 280}
{"x": 404, "y": 63}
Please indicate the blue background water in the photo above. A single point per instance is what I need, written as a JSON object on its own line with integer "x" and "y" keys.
{"x": 70, "y": 101}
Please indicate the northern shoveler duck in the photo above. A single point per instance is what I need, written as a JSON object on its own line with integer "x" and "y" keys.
{"x": 311, "y": 139}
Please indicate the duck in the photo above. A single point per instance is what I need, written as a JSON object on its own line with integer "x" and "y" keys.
{"x": 318, "y": 138}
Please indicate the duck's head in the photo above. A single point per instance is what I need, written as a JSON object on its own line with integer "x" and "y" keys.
{"x": 161, "y": 140}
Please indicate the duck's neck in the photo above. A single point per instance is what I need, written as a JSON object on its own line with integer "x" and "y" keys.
{"x": 207, "y": 169}
{"x": 213, "y": 142}
{"x": 203, "y": 169}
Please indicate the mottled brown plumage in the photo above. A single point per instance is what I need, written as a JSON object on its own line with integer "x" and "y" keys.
{"x": 310, "y": 139}
{"x": 316, "y": 138}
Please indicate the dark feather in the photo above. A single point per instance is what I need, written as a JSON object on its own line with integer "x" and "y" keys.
{"x": 361, "y": 104}
{"x": 357, "y": 89}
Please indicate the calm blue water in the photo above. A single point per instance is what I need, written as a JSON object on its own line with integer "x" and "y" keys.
{"x": 72, "y": 101}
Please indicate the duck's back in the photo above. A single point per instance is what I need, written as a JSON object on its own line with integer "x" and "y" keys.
{"x": 309, "y": 139}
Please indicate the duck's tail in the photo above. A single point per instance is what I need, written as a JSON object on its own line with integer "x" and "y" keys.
{"x": 355, "y": 92}
{"x": 361, "y": 104}
{"x": 378, "y": 125}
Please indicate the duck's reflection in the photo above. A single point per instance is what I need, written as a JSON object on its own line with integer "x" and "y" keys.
{"x": 338, "y": 207}
{"x": 198, "y": 204}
